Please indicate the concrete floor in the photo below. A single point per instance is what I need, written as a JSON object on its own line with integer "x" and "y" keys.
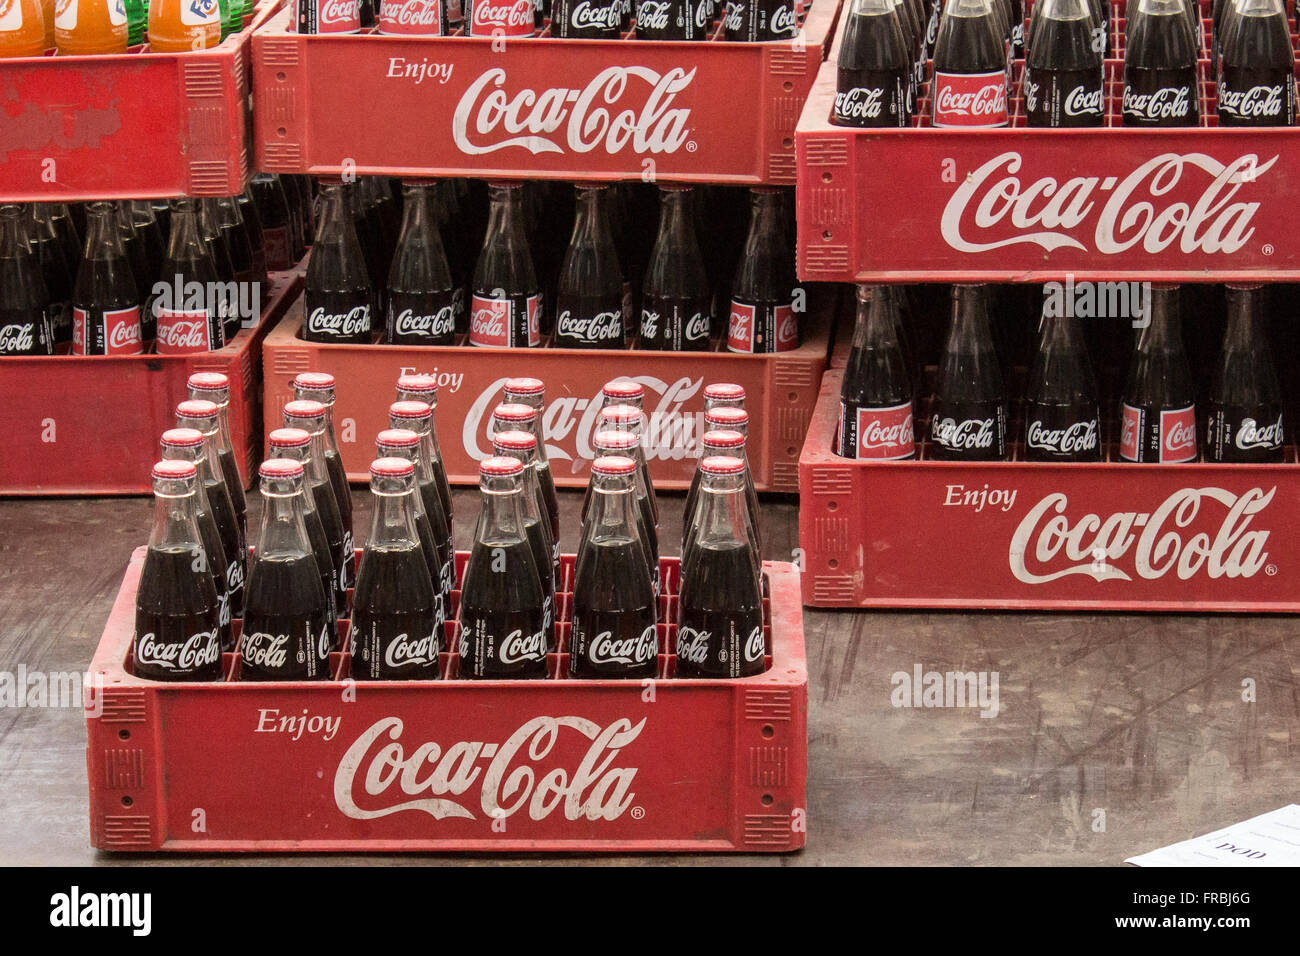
{"x": 1115, "y": 733}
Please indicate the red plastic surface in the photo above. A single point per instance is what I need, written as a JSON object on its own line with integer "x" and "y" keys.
{"x": 1017, "y": 204}
{"x": 58, "y": 443}
{"x": 137, "y": 125}
{"x": 707, "y": 111}
{"x": 780, "y": 392}
{"x": 553, "y": 765}
{"x": 1107, "y": 536}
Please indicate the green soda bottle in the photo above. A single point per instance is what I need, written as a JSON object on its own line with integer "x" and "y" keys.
{"x": 137, "y": 17}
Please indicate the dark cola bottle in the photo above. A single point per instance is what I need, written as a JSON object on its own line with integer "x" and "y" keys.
{"x": 137, "y": 257}
{"x": 251, "y": 220}
{"x": 970, "y": 67}
{"x": 613, "y": 633}
{"x": 667, "y": 20}
{"x": 737, "y": 420}
{"x": 287, "y": 619}
{"x": 764, "y": 290}
{"x": 616, "y": 444}
{"x": 337, "y": 299}
{"x": 1062, "y": 411}
{"x": 1160, "y": 86}
{"x": 968, "y": 420}
{"x": 586, "y": 19}
{"x": 55, "y": 270}
{"x": 459, "y": 242}
{"x": 177, "y": 616}
{"x": 430, "y": 522}
{"x": 218, "y": 245}
{"x": 25, "y": 327}
{"x": 522, "y": 446}
{"x": 531, "y": 392}
{"x": 589, "y": 289}
{"x": 423, "y": 390}
{"x": 179, "y": 315}
{"x": 319, "y": 387}
{"x": 631, "y": 419}
{"x": 105, "y": 301}
{"x": 295, "y": 445}
{"x": 214, "y": 387}
{"x": 268, "y": 195}
{"x": 1244, "y": 420}
{"x": 676, "y": 303}
{"x": 726, "y": 443}
{"x": 876, "y": 410}
{"x": 66, "y": 229}
{"x": 204, "y": 416}
{"x": 421, "y": 293}
{"x": 1256, "y": 80}
{"x": 309, "y": 415}
{"x": 186, "y": 444}
{"x": 1158, "y": 409}
{"x": 397, "y": 628}
{"x": 230, "y": 221}
{"x": 1063, "y": 71}
{"x": 759, "y": 21}
{"x": 505, "y": 300}
{"x": 874, "y": 80}
{"x": 502, "y": 624}
{"x": 720, "y": 608}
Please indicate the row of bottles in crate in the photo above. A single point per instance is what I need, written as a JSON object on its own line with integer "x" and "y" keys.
{"x": 97, "y": 27}
{"x": 296, "y": 591}
{"x": 1155, "y": 400}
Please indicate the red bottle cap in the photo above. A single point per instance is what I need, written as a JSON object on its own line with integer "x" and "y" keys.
{"x": 525, "y": 386}
{"x": 725, "y": 391}
{"x": 724, "y": 438}
{"x": 280, "y": 468}
{"x": 620, "y": 413}
{"x": 320, "y": 380}
{"x": 397, "y": 438}
{"x": 391, "y": 468}
{"x": 722, "y": 465}
{"x": 198, "y": 408}
{"x": 172, "y": 470}
{"x": 304, "y": 408}
{"x": 613, "y": 465}
{"x": 182, "y": 437}
{"x": 411, "y": 409}
{"x": 623, "y": 389}
{"x": 514, "y": 412}
{"x": 726, "y": 417}
{"x": 209, "y": 381}
{"x": 500, "y": 467}
{"x": 417, "y": 383}
{"x": 288, "y": 438}
{"x": 614, "y": 441}
{"x": 514, "y": 439}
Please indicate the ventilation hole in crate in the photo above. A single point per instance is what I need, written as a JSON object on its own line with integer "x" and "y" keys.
{"x": 832, "y": 505}
{"x": 833, "y": 563}
{"x": 281, "y": 131}
{"x": 826, "y": 177}
{"x": 127, "y": 801}
{"x": 280, "y": 76}
{"x": 787, "y": 143}
{"x": 769, "y": 731}
{"x": 124, "y": 734}
{"x": 826, "y": 235}
{"x": 768, "y": 799}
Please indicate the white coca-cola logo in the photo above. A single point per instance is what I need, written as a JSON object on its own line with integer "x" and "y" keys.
{"x": 734, "y": 16}
{"x": 405, "y": 651}
{"x": 696, "y": 328}
{"x": 607, "y": 649}
{"x": 653, "y": 14}
{"x": 1258, "y": 101}
{"x": 1253, "y": 435}
{"x": 234, "y": 576}
{"x": 787, "y": 330}
{"x": 438, "y": 324}
{"x": 18, "y": 338}
{"x": 1081, "y": 100}
{"x": 1046, "y": 538}
{"x": 1180, "y": 436}
{"x": 411, "y": 13}
{"x": 672, "y": 435}
{"x": 649, "y": 324}
{"x": 987, "y": 101}
{"x": 597, "y": 328}
{"x": 970, "y": 433}
{"x": 488, "y": 323}
{"x": 783, "y": 20}
{"x": 1170, "y": 102}
{"x": 1209, "y": 223}
{"x": 1075, "y": 438}
{"x": 338, "y": 11}
{"x": 519, "y": 14}
{"x": 196, "y": 651}
{"x": 703, "y": 12}
{"x": 754, "y": 645}
{"x": 693, "y": 645}
{"x": 587, "y": 15}
{"x": 268, "y": 651}
{"x": 517, "y": 647}
{"x": 353, "y": 322}
{"x": 860, "y": 102}
{"x": 377, "y": 770}
{"x": 531, "y": 120}
{"x": 124, "y": 334}
{"x": 182, "y": 332}
{"x": 877, "y": 434}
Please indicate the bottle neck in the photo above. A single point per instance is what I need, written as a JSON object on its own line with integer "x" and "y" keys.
{"x": 300, "y": 453}
{"x": 393, "y": 525}
{"x": 675, "y": 221}
{"x": 723, "y": 517}
{"x": 970, "y": 324}
{"x": 501, "y": 518}
{"x": 175, "y": 516}
{"x": 506, "y": 216}
{"x": 195, "y": 455}
{"x": 877, "y": 319}
{"x": 13, "y": 237}
{"x": 283, "y": 533}
{"x": 1243, "y": 306}
{"x": 335, "y": 214}
{"x": 1163, "y": 331}
{"x": 423, "y": 474}
{"x": 612, "y": 514}
{"x": 590, "y": 225}
{"x": 531, "y": 485}
{"x": 103, "y": 239}
{"x": 418, "y": 216}
{"x": 765, "y": 226}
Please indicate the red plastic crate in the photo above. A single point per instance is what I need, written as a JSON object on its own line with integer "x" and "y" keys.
{"x": 89, "y": 425}
{"x": 780, "y": 392}
{"x": 1022, "y": 535}
{"x": 707, "y": 111}
{"x": 1204, "y": 203}
{"x": 136, "y": 125}
{"x": 572, "y": 765}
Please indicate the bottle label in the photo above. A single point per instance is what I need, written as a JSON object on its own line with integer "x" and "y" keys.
{"x": 612, "y": 644}
{"x": 1076, "y": 440}
{"x": 504, "y": 323}
{"x": 1256, "y": 98}
{"x": 590, "y": 19}
{"x": 678, "y": 325}
{"x": 346, "y": 324}
{"x": 1244, "y": 434}
{"x": 713, "y": 644}
{"x": 200, "y": 13}
{"x": 511, "y": 18}
{"x": 387, "y": 650}
{"x": 25, "y": 338}
{"x": 973, "y": 100}
{"x": 106, "y": 332}
{"x": 1160, "y": 97}
{"x": 178, "y": 658}
{"x": 182, "y": 332}
{"x": 1158, "y": 435}
{"x": 280, "y": 649}
{"x": 877, "y": 434}
{"x": 1063, "y": 98}
{"x": 421, "y": 319}
{"x": 412, "y": 18}
{"x": 762, "y": 327}
{"x": 594, "y": 330}
{"x": 502, "y": 644}
{"x": 872, "y": 98}
{"x": 974, "y": 432}
{"x": 330, "y": 16}
{"x": 277, "y": 248}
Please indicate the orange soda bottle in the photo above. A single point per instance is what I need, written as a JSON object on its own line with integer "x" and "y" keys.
{"x": 179, "y": 25}
{"x": 90, "y": 26}
{"x": 22, "y": 28}
{"x": 47, "y": 7}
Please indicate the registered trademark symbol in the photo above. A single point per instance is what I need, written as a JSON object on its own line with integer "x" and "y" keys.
{"x": 1268, "y": 249}
{"x": 1270, "y": 569}
{"x": 638, "y": 813}
{"x": 691, "y": 146}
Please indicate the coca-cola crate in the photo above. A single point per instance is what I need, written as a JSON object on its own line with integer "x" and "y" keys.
{"x": 544, "y": 107}
{"x": 134, "y": 125}
{"x": 550, "y": 765}
{"x": 89, "y": 425}
{"x": 780, "y": 391}
{"x": 1018, "y": 534}
{"x": 1018, "y": 204}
